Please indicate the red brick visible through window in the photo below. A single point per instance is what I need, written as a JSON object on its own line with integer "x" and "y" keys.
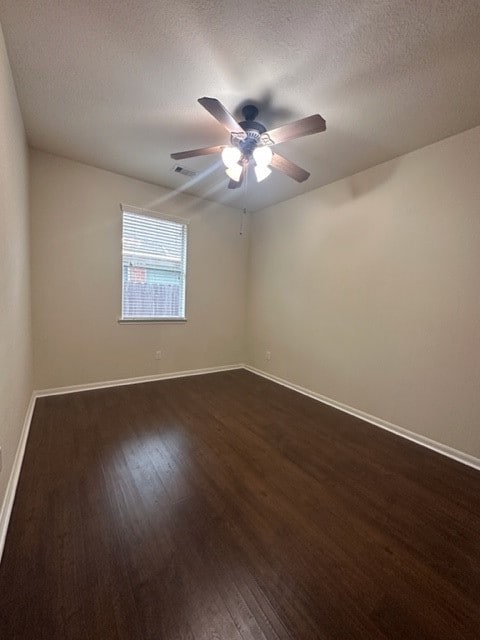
{"x": 137, "y": 274}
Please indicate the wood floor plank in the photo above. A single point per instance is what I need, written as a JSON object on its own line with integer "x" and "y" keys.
{"x": 227, "y": 507}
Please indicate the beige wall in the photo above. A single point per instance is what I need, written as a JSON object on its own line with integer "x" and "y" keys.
{"x": 15, "y": 337}
{"x": 368, "y": 291}
{"x": 76, "y": 279}
{"x": 364, "y": 291}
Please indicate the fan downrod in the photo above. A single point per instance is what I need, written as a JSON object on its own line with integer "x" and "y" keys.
{"x": 250, "y": 112}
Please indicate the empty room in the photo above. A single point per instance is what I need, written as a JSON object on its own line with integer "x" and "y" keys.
{"x": 239, "y": 320}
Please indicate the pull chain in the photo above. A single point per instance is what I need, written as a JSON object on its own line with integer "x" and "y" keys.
{"x": 244, "y": 212}
{"x": 242, "y": 223}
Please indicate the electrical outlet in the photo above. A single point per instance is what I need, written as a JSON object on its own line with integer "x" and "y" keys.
{"x": 158, "y": 355}
{"x": 268, "y": 355}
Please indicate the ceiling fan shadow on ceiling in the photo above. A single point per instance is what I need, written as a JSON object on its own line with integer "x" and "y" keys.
{"x": 250, "y": 142}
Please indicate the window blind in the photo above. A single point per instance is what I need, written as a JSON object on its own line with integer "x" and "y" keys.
{"x": 153, "y": 267}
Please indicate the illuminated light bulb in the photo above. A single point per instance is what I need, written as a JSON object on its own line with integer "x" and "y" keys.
{"x": 262, "y": 172}
{"x": 230, "y": 156}
{"x": 234, "y": 172}
{"x": 262, "y": 156}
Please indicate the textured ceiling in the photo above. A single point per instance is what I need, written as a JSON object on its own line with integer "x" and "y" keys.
{"x": 114, "y": 83}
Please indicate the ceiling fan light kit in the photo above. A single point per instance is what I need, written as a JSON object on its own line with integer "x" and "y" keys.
{"x": 262, "y": 172}
{"x": 262, "y": 156}
{"x": 251, "y": 142}
{"x": 231, "y": 156}
{"x": 234, "y": 172}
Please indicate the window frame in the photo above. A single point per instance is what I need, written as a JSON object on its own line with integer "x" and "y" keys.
{"x": 167, "y": 218}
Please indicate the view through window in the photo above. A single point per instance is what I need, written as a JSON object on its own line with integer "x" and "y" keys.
{"x": 153, "y": 268}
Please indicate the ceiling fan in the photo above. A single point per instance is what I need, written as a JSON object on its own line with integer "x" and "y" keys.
{"x": 251, "y": 142}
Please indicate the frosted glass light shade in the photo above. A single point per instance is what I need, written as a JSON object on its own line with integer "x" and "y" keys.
{"x": 230, "y": 156}
{"x": 234, "y": 172}
{"x": 262, "y": 156}
{"x": 262, "y": 172}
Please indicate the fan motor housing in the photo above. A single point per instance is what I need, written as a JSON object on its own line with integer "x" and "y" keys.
{"x": 252, "y": 128}
{"x": 248, "y": 144}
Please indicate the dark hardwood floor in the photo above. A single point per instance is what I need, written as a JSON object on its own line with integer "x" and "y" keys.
{"x": 227, "y": 507}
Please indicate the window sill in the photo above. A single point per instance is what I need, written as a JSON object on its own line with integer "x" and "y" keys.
{"x": 149, "y": 320}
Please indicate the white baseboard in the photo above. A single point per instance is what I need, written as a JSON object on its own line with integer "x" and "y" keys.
{"x": 443, "y": 449}
{"x": 138, "y": 380}
{"x": 7, "y": 505}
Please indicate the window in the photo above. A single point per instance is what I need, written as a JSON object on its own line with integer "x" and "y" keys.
{"x": 153, "y": 267}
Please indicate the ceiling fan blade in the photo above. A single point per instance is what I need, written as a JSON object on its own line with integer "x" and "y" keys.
{"x": 218, "y": 111}
{"x": 289, "y": 168}
{"x": 205, "y": 151}
{"x": 297, "y": 129}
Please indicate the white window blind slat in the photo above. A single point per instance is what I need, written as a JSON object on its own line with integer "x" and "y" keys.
{"x": 153, "y": 267}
